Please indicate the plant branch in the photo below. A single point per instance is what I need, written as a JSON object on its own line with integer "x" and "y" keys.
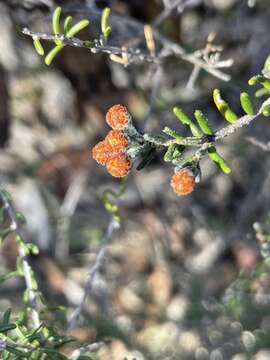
{"x": 27, "y": 270}
{"x": 113, "y": 225}
{"x": 133, "y": 55}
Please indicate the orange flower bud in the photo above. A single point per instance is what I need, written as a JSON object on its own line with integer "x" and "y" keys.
{"x": 119, "y": 166}
{"x": 118, "y": 140}
{"x": 183, "y": 182}
{"x": 102, "y": 152}
{"x": 118, "y": 117}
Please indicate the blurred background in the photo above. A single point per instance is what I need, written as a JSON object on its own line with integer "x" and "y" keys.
{"x": 183, "y": 277}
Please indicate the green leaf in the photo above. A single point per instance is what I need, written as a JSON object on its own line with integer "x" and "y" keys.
{"x": 218, "y": 160}
{"x": 56, "y": 20}
{"x": 246, "y": 103}
{"x": 77, "y": 27}
{"x": 38, "y": 46}
{"x": 6, "y": 316}
{"x": 21, "y": 218}
{"x": 3, "y": 234}
{"x": 17, "y": 352}
{"x": 267, "y": 64}
{"x": 260, "y": 79}
{"x": 203, "y": 123}
{"x": 7, "y": 327}
{"x": 187, "y": 121}
{"x": 52, "y": 54}
{"x": 56, "y": 23}
{"x": 173, "y": 152}
{"x": 8, "y": 276}
{"x": 169, "y": 153}
{"x": 105, "y": 28}
{"x": 173, "y": 133}
{"x": 223, "y": 107}
{"x": 266, "y": 110}
{"x": 147, "y": 157}
{"x": 67, "y": 24}
{"x": 262, "y": 92}
{"x": 256, "y": 79}
{"x": 33, "y": 249}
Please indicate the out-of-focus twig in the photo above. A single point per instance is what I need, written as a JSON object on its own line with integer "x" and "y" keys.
{"x": 260, "y": 144}
{"x": 156, "y": 81}
{"x": 86, "y": 349}
{"x": 166, "y": 12}
{"x": 67, "y": 209}
{"x": 113, "y": 225}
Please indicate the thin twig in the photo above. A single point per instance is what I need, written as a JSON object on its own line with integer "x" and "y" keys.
{"x": 86, "y": 349}
{"x": 260, "y": 144}
{"x": 156, "y": 81}
{"x": 67, "y": 209}
{"x": 27, "y": 270}
{"x": 113, "y": 225}
{"x": 166, "y": 12}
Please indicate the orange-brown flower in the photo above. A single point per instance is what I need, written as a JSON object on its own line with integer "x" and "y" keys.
{"x": 183, "y": 182}
{"x": 118, "y": 140}
{"x": 102, "y": 152}
{"x": 118, "y": 117}
{"x": 119, "y": 166}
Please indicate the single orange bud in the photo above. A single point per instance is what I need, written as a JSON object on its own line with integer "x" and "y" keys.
{"x": 183, "y": 182}
{"x": 118, "y": 140}
{"x": 102, "y": 152}
{"x": 118, "y": 117}
{"x": 119, "y": 166}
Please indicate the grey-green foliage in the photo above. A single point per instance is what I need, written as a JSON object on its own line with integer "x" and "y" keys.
{"x": 19, "y": 338}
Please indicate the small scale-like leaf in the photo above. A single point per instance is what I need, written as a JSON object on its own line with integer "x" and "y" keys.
{"x": 38, "y": 46}
{"x": 56, "y": 23}
{"x": 67, "y": 24}
{"x": 7, "y": 327}
{"x": 267, "y": 64}
{"x": 147, "y": 157}
{"x": 262, "y": 92}
{"x": 266, "y": 110}
{"x": 169, "y": 153}
{"x": 8, "y": 276}
{"x": 260, "y": 79}
{"x": 53, "y": 53}
{"x": 105, "y": 28}
{"x": 246, "y": 103}
{"x": 33, "y": 248}
{"x": 173, "y": 133}
{"x": 187, "y": 121}
{"x": 15, "y": 351}
{"x": 218, "y": 160}
{"x": 77, "y": 27}
{"x": 6, "y": 316}
{"x": 56, "y": 20}
{"x": 223, "y": 107}
{"x": 203, "y": 123}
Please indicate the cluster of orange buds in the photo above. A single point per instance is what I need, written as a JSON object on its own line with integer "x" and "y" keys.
{"x": 183, "y": 182}
{"x": 111, "y": 152}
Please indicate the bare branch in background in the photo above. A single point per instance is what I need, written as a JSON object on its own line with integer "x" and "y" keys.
{"x": 260, "y": 144}
{"x": 113, "y": 225}
{"x": 71, "y": 200}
